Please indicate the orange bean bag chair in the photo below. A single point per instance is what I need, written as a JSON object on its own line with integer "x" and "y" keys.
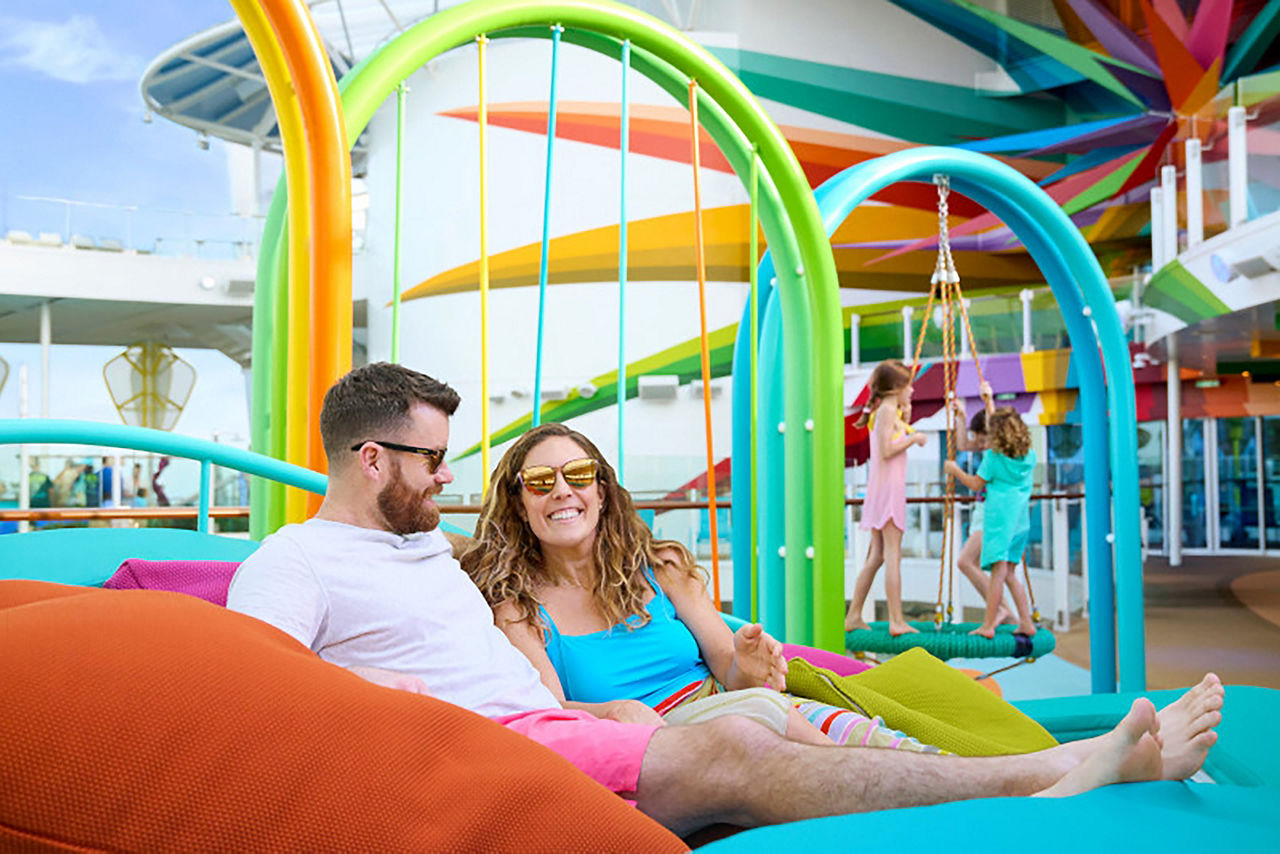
{"x": 141, "y": 720}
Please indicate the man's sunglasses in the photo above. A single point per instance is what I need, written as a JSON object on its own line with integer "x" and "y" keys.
{"x": 433, "y": 457}
{"x": 542, "y": 479}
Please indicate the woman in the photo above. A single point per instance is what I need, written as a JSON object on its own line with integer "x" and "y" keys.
{"x": 620, "y": 624}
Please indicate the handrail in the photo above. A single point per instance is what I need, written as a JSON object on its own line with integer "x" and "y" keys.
{"x": 81, "y": 514}
{"x": 90, "y": 514}
{"x": 704, "y": 504}
{"x": 54, "y": 431}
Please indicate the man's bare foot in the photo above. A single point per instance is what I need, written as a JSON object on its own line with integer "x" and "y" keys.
{"x": 897, "y": 627}
{"x": 985, "y": 631}
{"x": 1029, "y": 629}
{"x": 1186, "y": 727}
{"x": 1130, "y": 753}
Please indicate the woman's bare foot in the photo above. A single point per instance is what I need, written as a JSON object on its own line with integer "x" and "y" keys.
{"x": 898, "y": 627}
{"x": 1186, "y": 727}
{"x": 985, "y": 631}
{"x": 1130, "y": 753}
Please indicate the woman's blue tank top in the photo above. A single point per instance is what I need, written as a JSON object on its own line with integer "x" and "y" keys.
{"x": 648, "y": 663}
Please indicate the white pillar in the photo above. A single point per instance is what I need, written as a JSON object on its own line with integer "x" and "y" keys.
{"x": 1169, "y": 217}
{"x": 854, "y": 321}
{"x": 964, "y": 339}
{"x": 1157, "y": 229}
{"x": 1025, "y": 295}
{"x": 907, "y": 311}
{"x": 1195, "y": 195}
{"x": 46, "y": 341}
{"x": 1061, "y": 563}
{"x": 1173, "y": 463}
{"x": 24, "y": 462}
{"x": 1237, "y": 167}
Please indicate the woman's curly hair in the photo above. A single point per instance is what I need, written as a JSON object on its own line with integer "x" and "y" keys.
{"x": 1007, "y": 433}
{"x": 505, "y": 561}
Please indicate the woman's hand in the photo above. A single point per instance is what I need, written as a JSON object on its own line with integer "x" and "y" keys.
{"x": 758, "y": 659}
{"x": 628, "y": 712}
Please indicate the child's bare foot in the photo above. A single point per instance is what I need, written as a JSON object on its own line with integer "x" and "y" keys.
{"x": 853, "y": 624}
{"x": 898, "y": 627}
{"x": 1004, "y": 615}
{"x": 1027, "y": 629}
{"x": 1130, "y": 753}
{"x": 1186, "y": 727}
{"x": 985, "y": 631}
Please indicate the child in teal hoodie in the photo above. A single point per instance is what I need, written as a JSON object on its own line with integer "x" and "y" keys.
{"x": 1006, "y": 474}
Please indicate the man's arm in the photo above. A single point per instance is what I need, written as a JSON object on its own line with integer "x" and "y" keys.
{"x": 276, "y": 585}
{"x": 528, "y": 639}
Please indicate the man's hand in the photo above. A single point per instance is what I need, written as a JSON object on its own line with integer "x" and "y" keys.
{"x": 391, "y": 679}
{"x": 628, "y": 712}
{"x": 758, "y": 658}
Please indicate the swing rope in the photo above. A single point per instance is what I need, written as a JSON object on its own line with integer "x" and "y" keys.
{"x": 945, "y": 287}
{"x": 546, "y": 225}
{"x": 624, "y": 140}
{"x": 1031, "y": 594}
{"x": 482, "y": 116}
{"x": 703, "y": 339}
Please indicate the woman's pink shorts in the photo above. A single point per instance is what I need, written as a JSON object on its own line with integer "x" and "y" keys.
{"x": 607, "y": 751}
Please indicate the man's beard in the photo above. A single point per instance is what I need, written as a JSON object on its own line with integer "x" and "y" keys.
{"x": 404, "y": 510}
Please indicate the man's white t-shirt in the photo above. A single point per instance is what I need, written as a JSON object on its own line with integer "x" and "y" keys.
{"x": 360, "y": 596}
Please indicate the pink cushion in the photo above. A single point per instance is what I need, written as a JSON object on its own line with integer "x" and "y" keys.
{"x": 841, "y": 665}
{"x": 204, "y": 579}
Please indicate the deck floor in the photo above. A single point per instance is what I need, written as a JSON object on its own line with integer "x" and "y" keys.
{"x": 1219, "y": 613}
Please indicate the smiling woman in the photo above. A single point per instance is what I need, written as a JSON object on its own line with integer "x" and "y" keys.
{"x": 619, "y": 624}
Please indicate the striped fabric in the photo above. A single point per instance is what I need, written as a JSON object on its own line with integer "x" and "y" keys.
{"x": 707, "y": 699}
{"x": 851, "y": 729}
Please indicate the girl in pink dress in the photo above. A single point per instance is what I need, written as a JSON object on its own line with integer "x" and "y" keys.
{"x": 884, "y": 510}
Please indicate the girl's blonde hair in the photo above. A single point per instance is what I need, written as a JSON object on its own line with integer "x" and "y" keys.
{"x": 505, "y": 561}
{"x": 1007, "y": 433}
{"x": 888, "y": 378}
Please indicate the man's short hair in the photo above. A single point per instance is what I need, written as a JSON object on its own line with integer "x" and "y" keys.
{"x": 374, "y": 401}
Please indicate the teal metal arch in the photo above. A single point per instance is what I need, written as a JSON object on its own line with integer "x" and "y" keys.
{"x": 788, "y": 214}
{"x": 1094, "y": 328}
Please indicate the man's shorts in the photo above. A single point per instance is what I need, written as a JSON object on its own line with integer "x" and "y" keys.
{"x": 607, "y": 751}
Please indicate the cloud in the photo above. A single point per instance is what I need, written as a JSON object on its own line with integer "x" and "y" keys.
{"x": 74, "y": 51}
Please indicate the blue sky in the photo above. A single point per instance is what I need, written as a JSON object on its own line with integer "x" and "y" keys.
{"x": 73, "y": 127}
{"x": 69, "y": 72}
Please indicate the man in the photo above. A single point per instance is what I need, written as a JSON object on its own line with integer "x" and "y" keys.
{"x": 370, "y": 584}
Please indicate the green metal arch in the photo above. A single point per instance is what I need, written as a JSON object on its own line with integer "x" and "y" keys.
{"x": 807, "y": 278}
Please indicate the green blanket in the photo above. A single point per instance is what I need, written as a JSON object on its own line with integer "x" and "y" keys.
{"x": 925, "y": 698}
